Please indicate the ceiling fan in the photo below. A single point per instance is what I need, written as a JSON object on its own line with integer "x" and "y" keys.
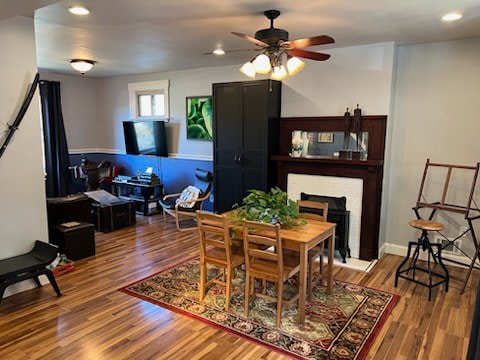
{"x": 277, "y": 49}
{"x": 274, "y": 39}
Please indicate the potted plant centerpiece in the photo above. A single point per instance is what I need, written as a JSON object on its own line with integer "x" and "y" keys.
{"x": 272, "y": 207}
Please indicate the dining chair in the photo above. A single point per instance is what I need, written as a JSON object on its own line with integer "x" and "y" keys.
{"x": 264, "y": 259}
{"x": 316, "y": 211}
{"x": 216, "y": 250}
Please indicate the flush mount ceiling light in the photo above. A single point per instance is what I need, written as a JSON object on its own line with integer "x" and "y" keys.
{"x": 79, "y": 10}
{"x": 82, "y": 65}
{"x": 451, "y": 17}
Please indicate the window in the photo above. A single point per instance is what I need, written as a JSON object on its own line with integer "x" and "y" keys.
{"x": 149, "y": 100}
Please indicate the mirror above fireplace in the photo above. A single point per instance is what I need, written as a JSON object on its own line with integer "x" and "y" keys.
{"x": 322, "y": 144}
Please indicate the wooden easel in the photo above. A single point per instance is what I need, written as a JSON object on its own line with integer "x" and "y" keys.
{"x": 470, "y": 210}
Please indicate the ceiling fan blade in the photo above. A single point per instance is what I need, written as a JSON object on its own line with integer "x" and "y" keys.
{"x": 309, "y": 55}
{"x": 306, "y": 42}
{"x": 251, "y": 39}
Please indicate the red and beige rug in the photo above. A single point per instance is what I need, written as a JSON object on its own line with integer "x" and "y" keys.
{"x": 338, "y": 326}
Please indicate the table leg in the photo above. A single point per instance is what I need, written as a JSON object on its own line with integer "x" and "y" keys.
{"x": 331, "y": 246}
{"x": 302, "y": 288}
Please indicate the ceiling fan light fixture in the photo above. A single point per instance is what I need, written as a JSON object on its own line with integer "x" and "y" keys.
{"x": 261, "y": 64}
{"x": 248, "y": 70}
{"x": 279, "y": 73}
{"x": 82, "y": 65}
{"x": 294, "y": 65}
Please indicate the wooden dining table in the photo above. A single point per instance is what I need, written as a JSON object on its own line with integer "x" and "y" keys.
{"x": 302, "y": 238}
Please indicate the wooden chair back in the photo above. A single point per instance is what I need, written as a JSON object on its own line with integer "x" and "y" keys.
{"x": 264, "y": 260}
{"x": 263, "y": 248}
{"x": 213, "y": 231}
{"x": 216, "y": 250}
{"x": 313, "y": 209}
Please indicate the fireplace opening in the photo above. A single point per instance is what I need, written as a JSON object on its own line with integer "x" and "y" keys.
{"x": 337, "y": 213}
{"x": 334, "y": 187}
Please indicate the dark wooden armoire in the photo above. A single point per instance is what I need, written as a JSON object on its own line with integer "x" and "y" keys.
{"x": 246, "y": 119}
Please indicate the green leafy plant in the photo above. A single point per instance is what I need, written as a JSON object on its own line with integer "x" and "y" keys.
{"x": 272, "y": 207}
{"x": 199, "y": 118}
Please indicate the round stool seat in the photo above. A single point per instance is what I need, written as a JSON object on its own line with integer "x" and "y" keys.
{"x": 428, "y": 225}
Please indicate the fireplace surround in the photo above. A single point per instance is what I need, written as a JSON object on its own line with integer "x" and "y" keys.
{"x": 369, "y": 170}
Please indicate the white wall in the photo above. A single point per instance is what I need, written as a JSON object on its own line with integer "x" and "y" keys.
{"x": 436, "y": 116}
{"x": 353, "y": 75}
{"x": 23, "y": 216}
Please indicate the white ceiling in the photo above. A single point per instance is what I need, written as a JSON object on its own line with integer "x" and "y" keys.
{"x": 144, "y": 36}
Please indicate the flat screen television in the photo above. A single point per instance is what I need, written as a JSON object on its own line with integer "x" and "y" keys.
{"x": 145, "y": 138}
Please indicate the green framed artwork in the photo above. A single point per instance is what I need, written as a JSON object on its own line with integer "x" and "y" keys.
{"x": 199, "y": 117}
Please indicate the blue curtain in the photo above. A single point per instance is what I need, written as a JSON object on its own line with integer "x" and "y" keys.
{"x": 59, "y": 177}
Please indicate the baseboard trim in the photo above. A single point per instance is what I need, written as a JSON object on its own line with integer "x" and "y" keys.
{"x": 401, "y": 250}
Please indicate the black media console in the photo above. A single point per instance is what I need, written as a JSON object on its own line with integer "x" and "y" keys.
{"x": 146, "y": 195}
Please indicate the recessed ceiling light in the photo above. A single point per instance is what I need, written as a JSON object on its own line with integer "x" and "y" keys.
{"x": 219, "y": 51}
{"x": 79, "y": 10}
{"x": 451, "y": 17}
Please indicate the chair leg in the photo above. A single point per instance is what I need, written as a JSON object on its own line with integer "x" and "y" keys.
{"x": 309, "y": 280}
{"x": 279, "y": 303}
{"x": 229, "y": 288}
{"x": 203, "y": 276}
{"x": 247, "y": 293}
{"x": 177, "y": 222}
{"x": 322, "y": 248}
{"x": 264, "y": 286}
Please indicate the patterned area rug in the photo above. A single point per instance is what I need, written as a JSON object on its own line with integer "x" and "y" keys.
{"x": 338, "y": 326}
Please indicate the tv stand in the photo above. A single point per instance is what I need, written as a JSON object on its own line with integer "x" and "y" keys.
{"x": 146, "y": 196}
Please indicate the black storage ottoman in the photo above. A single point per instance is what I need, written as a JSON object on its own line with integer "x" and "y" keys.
{"x": 114, "y": 216}
{"x": 76, "y": 242}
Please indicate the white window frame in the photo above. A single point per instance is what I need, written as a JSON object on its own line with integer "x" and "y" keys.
{"x": 145, "y": 88}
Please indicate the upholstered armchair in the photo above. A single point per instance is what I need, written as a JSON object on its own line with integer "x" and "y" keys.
{"x": 182, "y": 206}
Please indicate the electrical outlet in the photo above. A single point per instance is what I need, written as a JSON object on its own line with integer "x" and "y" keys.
{"x": 210, "y": 198}
{"x": 448, "y": 246}
{"x": 463, "y": 230}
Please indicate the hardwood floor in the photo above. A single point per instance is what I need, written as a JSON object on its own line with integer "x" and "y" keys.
{"x": 92, "y": 320}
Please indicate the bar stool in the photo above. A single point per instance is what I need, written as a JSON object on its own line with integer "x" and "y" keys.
{"x": 425, "y": 244}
